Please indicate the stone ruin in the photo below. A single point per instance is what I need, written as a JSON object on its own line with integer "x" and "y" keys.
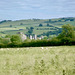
{"x": 24, "y": 37}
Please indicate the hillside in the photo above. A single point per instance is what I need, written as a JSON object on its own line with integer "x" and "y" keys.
{"x": 34, "y": 26}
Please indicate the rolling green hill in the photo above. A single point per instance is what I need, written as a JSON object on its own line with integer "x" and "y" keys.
{"x": 48, "y": 25}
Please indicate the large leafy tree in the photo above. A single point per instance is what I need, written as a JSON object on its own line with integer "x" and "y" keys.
{"x": 67, "y": 31}
{"x": 16, "y": 39}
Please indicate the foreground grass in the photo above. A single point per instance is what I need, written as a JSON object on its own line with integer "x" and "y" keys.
{"x": 38, "y": 61}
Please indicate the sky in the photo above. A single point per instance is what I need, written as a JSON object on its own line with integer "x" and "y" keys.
{"x": 39, "y": 9}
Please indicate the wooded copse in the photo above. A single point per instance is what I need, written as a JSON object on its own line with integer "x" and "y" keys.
{"x": 66, "y": 37}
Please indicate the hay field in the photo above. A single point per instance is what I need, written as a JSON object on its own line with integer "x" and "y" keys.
{"x": 57, "y": 60}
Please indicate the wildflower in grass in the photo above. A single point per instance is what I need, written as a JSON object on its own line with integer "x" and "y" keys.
{"x": 42, "y": 48}
{"x": 1, "y": 49}
{"x": 46, "y": 48}
{"x": 18, "y": 49}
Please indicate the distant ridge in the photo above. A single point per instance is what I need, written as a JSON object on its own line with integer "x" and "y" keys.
{"x": 44, "y": 27}
{"x": 37, "y": 19}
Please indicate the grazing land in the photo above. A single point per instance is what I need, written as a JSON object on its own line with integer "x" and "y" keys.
{"x": 57, "y": 60}
{"x": 13, "y": 27}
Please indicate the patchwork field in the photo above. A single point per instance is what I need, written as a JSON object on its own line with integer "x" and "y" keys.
{"x": 13, "y": 27}
{"x": 57, "y": 60}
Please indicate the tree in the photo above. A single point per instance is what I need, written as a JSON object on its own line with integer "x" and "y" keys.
{"x": 45, "y": 37}
{"x": 48, "y": 24}
{"x": 30, "y": 31}
{"x": 40, "y": 25}
{"x": 67, "y": 31}
{"x": 6, "y": 40}
{"x": 16, "y": 39}
{"x": 50, "y": 20}
{"x": 72, "y": 20}
{"x": 21, "y": 23}
{"x": 32, "y": 28}
{"x": 8, "y": 36}
{"x": 10, "y": 25}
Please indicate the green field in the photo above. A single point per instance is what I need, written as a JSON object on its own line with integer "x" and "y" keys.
{"x": 13, "y": 27}
{"x": 57, "y": 60}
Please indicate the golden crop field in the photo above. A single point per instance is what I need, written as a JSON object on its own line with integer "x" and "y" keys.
{"x": 57, "y": 60}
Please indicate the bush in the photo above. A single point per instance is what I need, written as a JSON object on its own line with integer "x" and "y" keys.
{"x": 40, "y": 25}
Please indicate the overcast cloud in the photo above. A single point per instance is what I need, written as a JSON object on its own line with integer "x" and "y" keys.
{"x": 28, "y": 9}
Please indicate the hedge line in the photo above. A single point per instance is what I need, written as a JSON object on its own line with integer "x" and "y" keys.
{"x": 39, "y": 43}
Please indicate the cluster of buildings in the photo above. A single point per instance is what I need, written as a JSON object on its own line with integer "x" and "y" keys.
{"x": 24, "y": 37}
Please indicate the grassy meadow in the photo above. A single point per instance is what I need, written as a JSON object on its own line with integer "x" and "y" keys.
{"x": 57, "y": 60}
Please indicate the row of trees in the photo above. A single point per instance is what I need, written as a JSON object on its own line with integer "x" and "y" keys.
{"x": 48, "y": 25}
{"x": 30, "y": 31}
{"x": 62, "y": 20}
{"x": 5, "y": 21}
{"x": 66, "y": 37}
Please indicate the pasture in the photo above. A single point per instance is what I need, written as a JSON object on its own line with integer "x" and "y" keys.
{"x": 57, "y": 60}
{"x": 13, "y": 27}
